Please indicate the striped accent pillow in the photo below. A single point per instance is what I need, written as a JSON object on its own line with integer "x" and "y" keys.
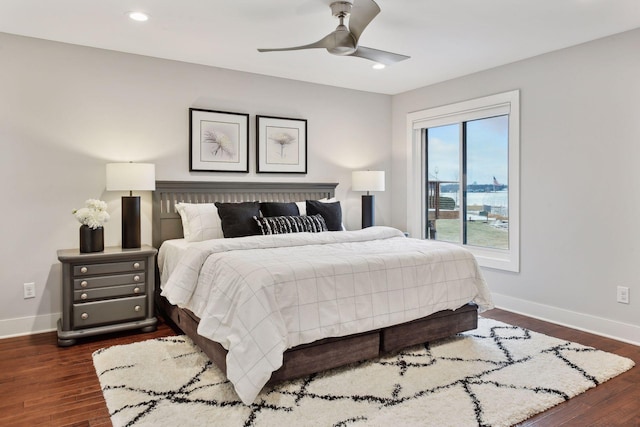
{"x": 291, "y": 224}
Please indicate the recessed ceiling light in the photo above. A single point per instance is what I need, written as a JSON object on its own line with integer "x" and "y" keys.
{"x": 138, "y": 16}
{"x": 378, "y": 66}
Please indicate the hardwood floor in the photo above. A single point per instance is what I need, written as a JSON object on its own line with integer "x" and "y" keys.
{"x": 43, "y": 384}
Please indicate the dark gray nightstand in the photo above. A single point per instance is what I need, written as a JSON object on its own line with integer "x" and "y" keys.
{"x": 106, "y": 291}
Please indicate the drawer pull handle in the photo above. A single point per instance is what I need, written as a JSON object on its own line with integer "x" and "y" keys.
{"x": 84, "y": 316}
{"x": 84, "y": 283}
{"x": 83, "y": 296}
{"x": 136, "y": 278}
{"x": 136, "y": 290}
{"x": 84, "y": 270}
{"x": 136, "y": 308}
{"x": 136, "y": 265}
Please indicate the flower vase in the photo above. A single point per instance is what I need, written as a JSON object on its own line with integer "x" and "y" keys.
{"x": 91, "y": 239}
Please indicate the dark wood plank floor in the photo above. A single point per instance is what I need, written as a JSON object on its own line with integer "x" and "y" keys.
{"x": 42, "y": 384}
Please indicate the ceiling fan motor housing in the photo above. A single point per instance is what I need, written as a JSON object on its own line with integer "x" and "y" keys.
{"x": 343, "y": 43}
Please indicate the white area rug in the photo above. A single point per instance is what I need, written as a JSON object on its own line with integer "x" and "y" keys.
{"x": 496, "y": 375}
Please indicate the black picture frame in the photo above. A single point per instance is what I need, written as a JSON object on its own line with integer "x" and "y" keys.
{"x": 281, "y": 145}
{"x": 218, "y": 141}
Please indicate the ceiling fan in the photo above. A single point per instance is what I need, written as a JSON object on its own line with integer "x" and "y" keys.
{"x": 344, "y": 41}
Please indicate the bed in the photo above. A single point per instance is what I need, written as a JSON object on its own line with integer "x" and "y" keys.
{"x": 311, "y": 351}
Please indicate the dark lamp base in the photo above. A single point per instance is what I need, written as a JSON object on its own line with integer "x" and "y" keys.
{"x": 130, "y": 222}
{"x": 368, "y": 211}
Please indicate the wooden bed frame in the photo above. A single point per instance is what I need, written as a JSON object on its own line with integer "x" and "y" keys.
{"x": 308, "y": 358}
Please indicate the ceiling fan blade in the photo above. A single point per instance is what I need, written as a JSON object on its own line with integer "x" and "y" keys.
{"x": 381, "y": 56}
{"x": 362, "y": 13}
{"x": 327, "y": 42}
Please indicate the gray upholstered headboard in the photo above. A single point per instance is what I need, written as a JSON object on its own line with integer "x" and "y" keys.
{"x": 167, "y": 223}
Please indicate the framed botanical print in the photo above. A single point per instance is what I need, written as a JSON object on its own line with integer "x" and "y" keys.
{"x": 218, "y": 141}
{"x": 281, "y": 145}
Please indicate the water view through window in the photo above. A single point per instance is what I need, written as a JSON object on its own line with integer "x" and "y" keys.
{"x": 467, "y": 182}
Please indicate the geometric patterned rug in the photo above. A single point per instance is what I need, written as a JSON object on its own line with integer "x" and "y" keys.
{"x": 496, "y": 375}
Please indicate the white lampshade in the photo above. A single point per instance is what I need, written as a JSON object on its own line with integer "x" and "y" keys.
{"x": 367, "y": 180}
{"x": 131, "y": 176}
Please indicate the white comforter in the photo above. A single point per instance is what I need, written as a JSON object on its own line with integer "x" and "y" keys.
{"x": 259, "y": 295}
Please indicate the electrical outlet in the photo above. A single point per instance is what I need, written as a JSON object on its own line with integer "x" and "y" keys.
{"x": 623, "y": 295}
{"x": 29, "y": 290}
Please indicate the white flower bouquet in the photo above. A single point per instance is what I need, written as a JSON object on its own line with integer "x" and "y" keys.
{"x": 93, "y": 215}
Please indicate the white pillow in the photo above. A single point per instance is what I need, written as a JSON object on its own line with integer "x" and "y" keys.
{"x": 200, "y": 221}
{"x": 302, "y": 206}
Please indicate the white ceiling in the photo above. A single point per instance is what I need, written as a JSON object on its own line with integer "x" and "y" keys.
{"x": 445, "y": 38}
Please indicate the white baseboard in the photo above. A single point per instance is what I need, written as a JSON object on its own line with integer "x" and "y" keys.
{"x": 28, "y": 325}
{"x": 584, "y": 322}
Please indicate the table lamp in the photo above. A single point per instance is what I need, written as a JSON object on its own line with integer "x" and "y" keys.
{"x": 131, "y": 177}
{"x": 367, "y": 181}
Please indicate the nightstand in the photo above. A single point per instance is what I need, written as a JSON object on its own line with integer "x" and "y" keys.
{"x": 106, "y": 292}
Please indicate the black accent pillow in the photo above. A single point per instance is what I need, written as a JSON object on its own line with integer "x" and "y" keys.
{"x": 237, "y": 218}
{"x": 331, "y": 212}
{"x": 279, "y": 209}
{"x": 291, "y": 224}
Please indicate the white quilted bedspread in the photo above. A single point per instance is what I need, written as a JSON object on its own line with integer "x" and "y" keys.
{"x": 259, "y": 295}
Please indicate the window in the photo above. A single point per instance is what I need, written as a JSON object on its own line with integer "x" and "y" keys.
{"x": 464, "y": 177}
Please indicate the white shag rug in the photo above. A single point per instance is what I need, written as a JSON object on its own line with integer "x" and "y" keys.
{"x": 496, "y": 375}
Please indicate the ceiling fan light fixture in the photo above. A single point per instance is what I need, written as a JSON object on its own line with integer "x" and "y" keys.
{"x": 378, "y": 66}
{"x": 138, "y": 16}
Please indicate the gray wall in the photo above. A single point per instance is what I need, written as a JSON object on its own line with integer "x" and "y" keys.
{"x": 580, "y": 180}
{"x": 66, "y": 111}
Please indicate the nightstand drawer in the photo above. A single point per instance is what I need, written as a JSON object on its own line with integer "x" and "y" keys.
{"x": 109, "y": 311}
{"x": 108, "y": 267}
{"x": 118, "y": 279}
{"x": 108, "y": 292}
